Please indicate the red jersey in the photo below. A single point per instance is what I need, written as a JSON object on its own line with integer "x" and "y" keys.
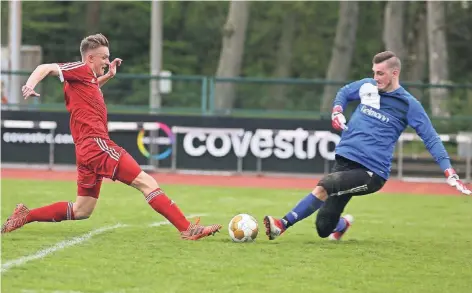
{"x": 84, "y": 101}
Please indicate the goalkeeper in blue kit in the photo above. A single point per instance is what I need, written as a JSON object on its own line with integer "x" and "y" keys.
{"x": 364, "y": 154}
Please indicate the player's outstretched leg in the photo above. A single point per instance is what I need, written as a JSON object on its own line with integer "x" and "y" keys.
{"x": 130, "y": 173}
{"x": 56, "y": 212}
{"x": 330, "y": 196}
{"x": 81, "y": 209}
{"x": 162, "y": 204}
{"x": 307, "y": 206}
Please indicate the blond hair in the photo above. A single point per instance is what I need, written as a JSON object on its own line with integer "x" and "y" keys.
{"x": 93, "y": 42}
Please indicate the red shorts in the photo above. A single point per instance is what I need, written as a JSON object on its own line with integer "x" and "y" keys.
{"x": 101, "y": 157}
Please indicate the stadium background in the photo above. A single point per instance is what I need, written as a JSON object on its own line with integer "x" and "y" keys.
{"x": 229, "y": 70}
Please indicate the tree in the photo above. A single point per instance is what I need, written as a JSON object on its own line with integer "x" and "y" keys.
{"x": 438, "y": 57}
{"x": 393, "y": 27}
{"x": 416, "y": 59}
{"x": 342, "y": 52}
{"x": 93, "y": 17}
{"x": 284, "y": 58}
{"x": 192, "y": 46}
{"x": 234, "y": 36}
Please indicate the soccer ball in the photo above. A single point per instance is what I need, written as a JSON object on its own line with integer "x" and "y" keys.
{"x": 243, "y": 228}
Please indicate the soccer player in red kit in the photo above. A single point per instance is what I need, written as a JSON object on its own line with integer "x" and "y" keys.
{"x": 97, "y": 156}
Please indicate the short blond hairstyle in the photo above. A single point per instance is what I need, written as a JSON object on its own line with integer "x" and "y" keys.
{"x": 392, "y": 60}
{"x": 92, "y": 42}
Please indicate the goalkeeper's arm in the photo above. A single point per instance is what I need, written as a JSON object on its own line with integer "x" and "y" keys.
{"x": 419, "y": 120}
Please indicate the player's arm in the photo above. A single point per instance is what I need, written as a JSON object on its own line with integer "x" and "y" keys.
{"x": 419, "y": 120}
{"x": 103, "y": 79}
{"x": 111, "y": 72}
{"x": 36, "y": 76}
{"x": 347, "y": 93}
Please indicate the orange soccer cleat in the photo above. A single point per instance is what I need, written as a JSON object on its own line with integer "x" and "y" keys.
{"x": 17, "y": 219}
{"x": 196, "y": 231}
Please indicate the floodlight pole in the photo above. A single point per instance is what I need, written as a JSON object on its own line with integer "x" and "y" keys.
{"x": 156, "y": 64}
{"x": 14, "y": 51}
{"x": 156, "y": 54}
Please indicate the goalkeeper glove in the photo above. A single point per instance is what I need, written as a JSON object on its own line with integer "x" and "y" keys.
{"x": 453, "y": 180}
{"x": 338, "y": 121}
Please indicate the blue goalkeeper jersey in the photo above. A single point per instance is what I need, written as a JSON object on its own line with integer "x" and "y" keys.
{"x": 377, "y": 123}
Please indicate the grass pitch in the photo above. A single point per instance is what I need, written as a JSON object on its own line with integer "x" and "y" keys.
{"x": 398, "y": 243}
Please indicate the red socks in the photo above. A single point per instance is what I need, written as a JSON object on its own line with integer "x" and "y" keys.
{"x": 56, "y": 212}
{"x": 159, "y": 201}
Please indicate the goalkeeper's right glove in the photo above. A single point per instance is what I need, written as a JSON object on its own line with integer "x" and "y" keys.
{"x": 338, "y": 121}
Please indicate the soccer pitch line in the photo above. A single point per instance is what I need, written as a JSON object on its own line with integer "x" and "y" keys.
{"x": 71, "y": 291}
{"x": 75, "y": 291}
{"x": 42, "y": 291}
{"x": 75, "y": 241}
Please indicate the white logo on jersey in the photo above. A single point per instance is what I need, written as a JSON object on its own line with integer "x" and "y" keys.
{"x": 369, "y": 95}
{"x": 372, "y": 113}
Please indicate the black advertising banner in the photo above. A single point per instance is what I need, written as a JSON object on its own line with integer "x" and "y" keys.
{"x": 198, "y": 143}
{"x": 186, "y": 142}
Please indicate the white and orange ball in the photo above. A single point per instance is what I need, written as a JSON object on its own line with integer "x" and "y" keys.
{"x": 243, "y": 228}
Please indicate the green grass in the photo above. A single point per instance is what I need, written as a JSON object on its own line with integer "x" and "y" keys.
{"x": 399, "y": 243}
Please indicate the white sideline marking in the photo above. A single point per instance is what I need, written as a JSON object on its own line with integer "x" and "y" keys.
{"x": 68, "y": 291}
{"x": 75, "y": 291}
{"x": 74, "y": 241}
{"x": 59, "y": 291}
{"x": 58, "y": 246}
{"x": 42, "y": 291}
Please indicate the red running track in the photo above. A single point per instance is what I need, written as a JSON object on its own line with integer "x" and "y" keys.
{"x": 279, "y": 182}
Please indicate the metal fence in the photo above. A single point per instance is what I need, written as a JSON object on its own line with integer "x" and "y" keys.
{"x": 408, "y": 163}
{"x": 252, "y": 96}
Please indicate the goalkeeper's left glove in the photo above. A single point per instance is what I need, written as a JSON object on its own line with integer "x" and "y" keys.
{"x": 453, "y": 180}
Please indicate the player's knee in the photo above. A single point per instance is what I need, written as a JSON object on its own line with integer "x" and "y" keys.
{"x": 82, "y": 212}
{"x": 320, "y": 192}
{"x": 376, "y": 184}
{"x": 326, "y": 223}
{"x": 145, "y": 183}
{"x": 323, "y": 229}
{"x": 81, "y": 215}
{"x": 83, "y": 206}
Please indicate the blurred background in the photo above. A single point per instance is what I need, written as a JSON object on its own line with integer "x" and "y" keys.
{"x": 245, "y": 59}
